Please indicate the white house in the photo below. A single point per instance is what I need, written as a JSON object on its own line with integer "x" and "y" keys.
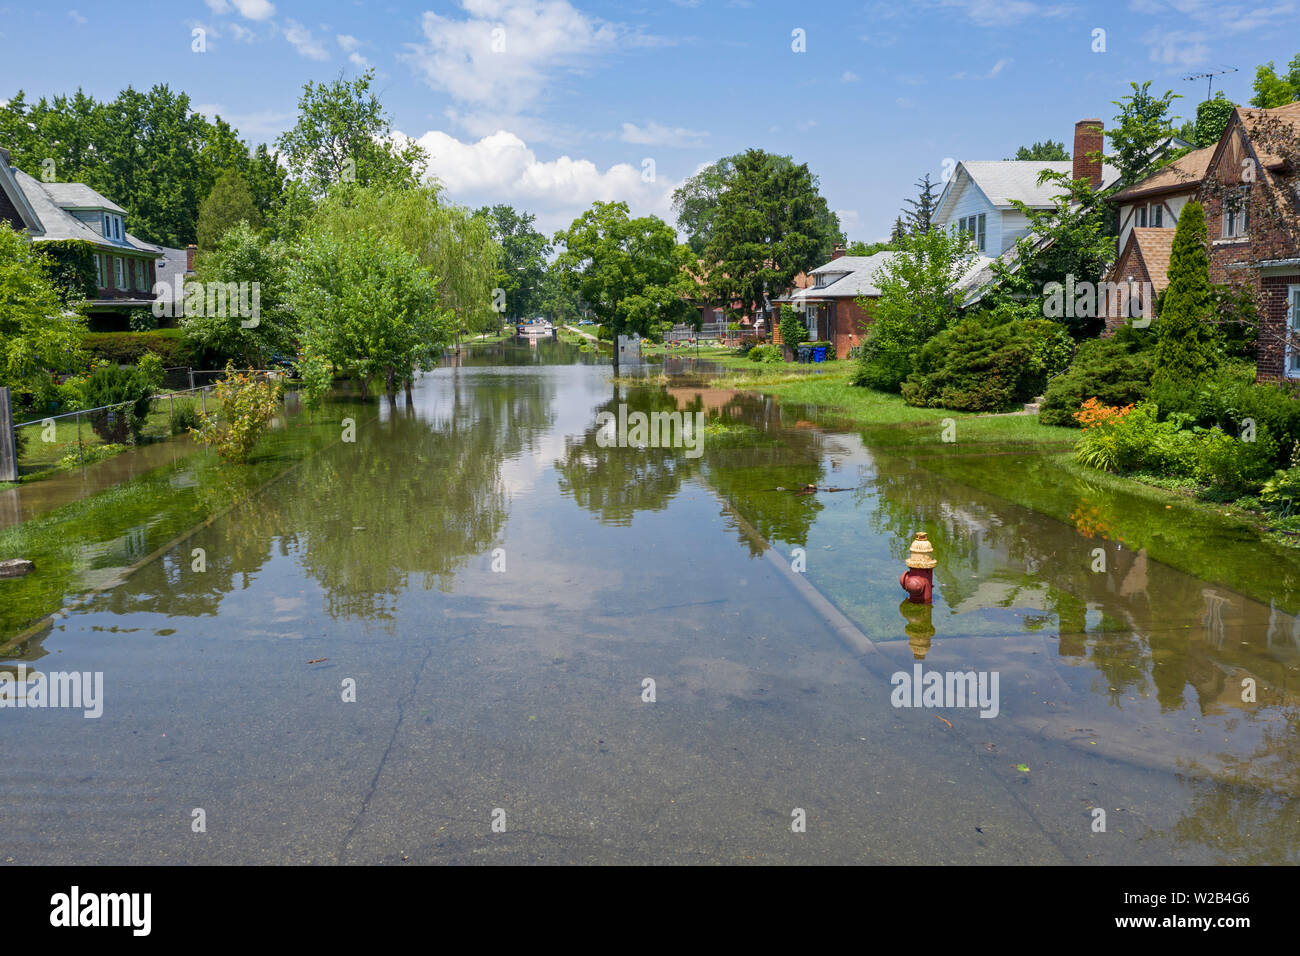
{"x": 979, "y": 199}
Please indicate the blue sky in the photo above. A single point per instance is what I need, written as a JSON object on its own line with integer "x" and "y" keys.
{"x": 574, "y": 96}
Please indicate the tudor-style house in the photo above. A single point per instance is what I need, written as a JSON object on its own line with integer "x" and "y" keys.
{"x": 1249, "y": 186}
{"x": 124, "y": 265}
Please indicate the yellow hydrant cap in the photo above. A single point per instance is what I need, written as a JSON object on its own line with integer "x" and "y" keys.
{"x": 922, "y": 552}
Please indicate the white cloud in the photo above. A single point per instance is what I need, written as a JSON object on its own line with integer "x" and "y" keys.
{"x": 989, "y": 13}
{"x": 242, "y": 34}
{"x": 656, "y": 134}
{"x": 265, "y": 124}
{"x": 502, "y": 168}
{"x": 249, "y": 9}
{"x": 302, "y": 40}
{"x": 359, "y": 61}
{"x": 1177, "y": 48}
{"x": 994, "y": 70}
{"x": 505, "y": 52}
{"x": 348, "y": 42}
{"x": 848, "y": 76}
{"x": 77, "y": 18}
{"x": 1222, "y": 16}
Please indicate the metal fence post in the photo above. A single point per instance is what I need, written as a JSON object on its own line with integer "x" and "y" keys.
{"x": 8, "y": 444}
{"x": 81, "y": 452}
{"x": 204, "y": 396}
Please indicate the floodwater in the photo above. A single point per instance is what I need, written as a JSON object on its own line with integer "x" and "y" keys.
{"x": 395, "y": 643}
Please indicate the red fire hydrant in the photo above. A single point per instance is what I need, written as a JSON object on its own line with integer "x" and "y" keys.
{"x": 918, "y": 579}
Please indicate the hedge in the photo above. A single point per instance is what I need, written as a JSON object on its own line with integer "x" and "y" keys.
{"x": 125, "y": 348}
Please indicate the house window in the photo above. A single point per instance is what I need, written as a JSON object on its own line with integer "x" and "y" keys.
{"x": 117, "y": 227}
{"x": 139, "y": 269}
{"x": 1293, "y": 331}
{"x": 99, "y": 271}
{"x": 119, "y": 272}
{"x": 1236, "y": 215}
{"x": 974, "y": 228}
{"x": 1157, "y": 216}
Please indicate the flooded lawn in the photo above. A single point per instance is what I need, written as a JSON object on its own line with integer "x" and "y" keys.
{"x": 461, "y": 616}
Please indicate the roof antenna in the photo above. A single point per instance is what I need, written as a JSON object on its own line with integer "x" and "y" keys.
{"x": 1209, "y": 78}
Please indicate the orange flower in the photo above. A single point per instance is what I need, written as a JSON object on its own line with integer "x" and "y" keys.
{"x": 1093, "y": 412}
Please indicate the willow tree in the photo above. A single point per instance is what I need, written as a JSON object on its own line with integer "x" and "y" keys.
{"x": 455, "y": 246}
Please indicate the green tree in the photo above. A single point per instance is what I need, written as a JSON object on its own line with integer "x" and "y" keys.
{"x": 369, "y": 306}
{"x": 1272, "y": 90}
{"x": 241, "y": 256}
{"x": 1187, "y": 343}
{"x": 631, "y": 272}
{"x": 860, "y": 248}
{"x": 561, "y": 301}
{"x": 771, "y": 223}
{"x": 1071, "y": 238}
{"x": 455, "y": 247}
{"x": 228, "y": 204}
{"x": 523, "y": 259}
{"x": 1212, "y": 119}
{"x": 1141, "y": 132}
{"x": 916, "y": 302}
{"x": 344, "y": 135}
{"x": 696, "y": 202}
{"x": 1048, "y": 152}
{"x": 898, "y": 232}
{"x": 921, "y": 215}
{"x": 38, "y": 333}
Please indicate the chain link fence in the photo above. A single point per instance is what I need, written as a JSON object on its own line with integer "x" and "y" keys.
{"x": 87, "y": 435}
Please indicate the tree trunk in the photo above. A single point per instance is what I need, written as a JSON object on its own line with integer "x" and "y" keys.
{"x": 390, "y": 384}
{"x": 365, "y": 391}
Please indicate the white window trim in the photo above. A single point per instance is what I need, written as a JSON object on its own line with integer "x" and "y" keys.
{"x": 1292, "y": 304}
{"x": 119, "y": 272}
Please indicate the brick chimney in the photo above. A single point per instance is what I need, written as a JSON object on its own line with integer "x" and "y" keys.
{"x": 1088, "y": 139}
{"x": 189, "y": 256}
{"x": 837, "y": 250}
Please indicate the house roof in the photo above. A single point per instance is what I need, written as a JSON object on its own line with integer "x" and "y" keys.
{"x": 1005, "y": 180}
{"x": 860, "y": 280}
{"x": 1155, "y": 246}
{"x": 9, "y": 186}
{"x": 80, "y": 196}
{"x": 61, "y": 224}
{"x": 1186, "y": 172}
{"x": 1252, "y": 119}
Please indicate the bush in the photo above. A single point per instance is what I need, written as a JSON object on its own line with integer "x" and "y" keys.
{"x": 1231, "y": 466}
{"x": 744, "y": 347}
{"x": 767, "y": 354}
{"x": 1132, "y": 438}
{"x": 1116, "y": 371}
{"x": 142, "y": 320}
{"x": 125, "y": 348}
{"x": 1281, "y": 493}
{"x": 248, "y": 403}
{"x": 793, "y": 329}
{"x": 185, "y": 417}
{"x": 127, "y": 388}
{"x": 1231, "y": 399}
{"x": 151, "y": 367}
{"x": 975, "y": 366}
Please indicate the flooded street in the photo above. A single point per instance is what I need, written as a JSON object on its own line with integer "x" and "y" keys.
{"x": 395, "y": 642}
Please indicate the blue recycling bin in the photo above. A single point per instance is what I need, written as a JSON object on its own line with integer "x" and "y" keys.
{"x": 819, "y": 353}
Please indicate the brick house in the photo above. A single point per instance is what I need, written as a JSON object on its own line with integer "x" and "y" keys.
{"x": 1249, "y": 187}
{"x": 125, "y": 267}
{"x": 1252, "y": 211}
{"x": 830, "y": 305}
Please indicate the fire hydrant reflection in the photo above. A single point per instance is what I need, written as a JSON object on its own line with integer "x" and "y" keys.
{"x": 918, "y": 579}
{"x": 918, "y": 629}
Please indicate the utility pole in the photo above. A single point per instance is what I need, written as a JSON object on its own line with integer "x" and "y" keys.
{"x": 1209, "y": 78}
